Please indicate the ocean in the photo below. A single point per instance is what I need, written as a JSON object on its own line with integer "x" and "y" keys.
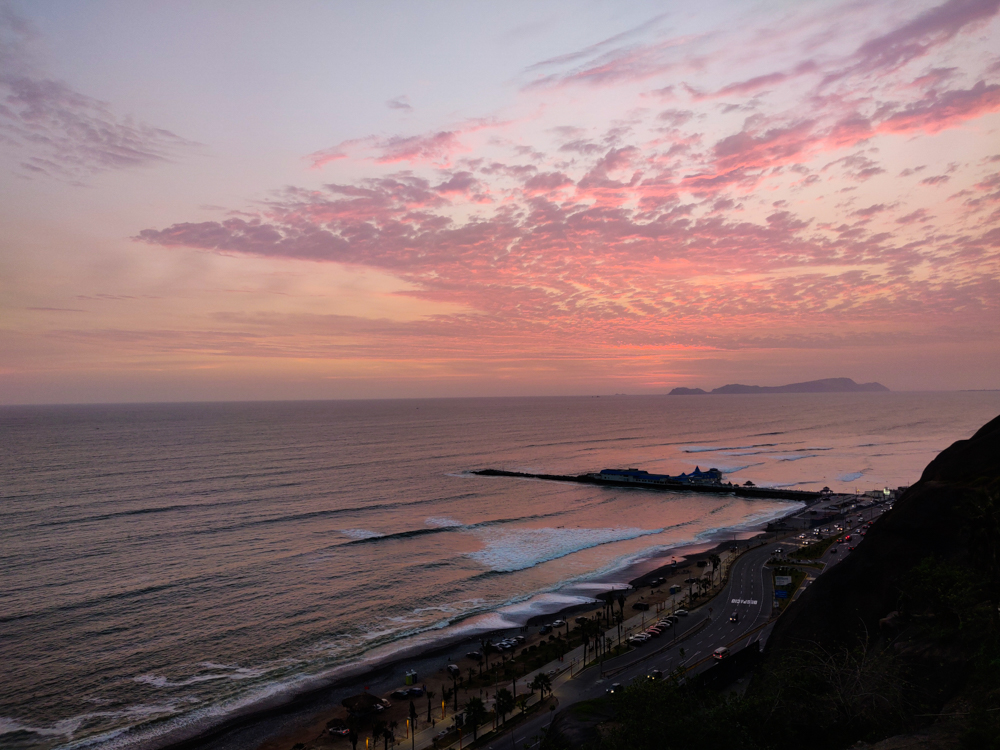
{"x": 164, "y": 566}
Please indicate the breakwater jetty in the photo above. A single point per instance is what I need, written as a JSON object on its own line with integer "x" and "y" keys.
{"x": 662, "y": 486}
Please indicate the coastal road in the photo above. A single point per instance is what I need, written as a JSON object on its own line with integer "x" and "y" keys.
{"x": 749, "y": 593}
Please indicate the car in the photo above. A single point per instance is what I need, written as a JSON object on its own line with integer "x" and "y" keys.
{"x": 681, "y": 613}
{"x": 847, "y": 538}
{"x": 734, "y": 617}
{"x": 656, "y": 674}
{"x": 851, "y": 548}
{"x": 833, "y": 550}
{"x": 399, "y": 694}
{"x": 778, "y": 551}
{"x": 519, "y": 638}
{"x": 802, "y": 536}
{"x": 475, "y": 655}
{"x": 338, "y": 726}
{"x": 545, "y": 629}
{"x": 655, "y": 632}
{"x": 720, "y": 653}
{"x": 558, "y": 623}
{"x": 664, "y": 624}
{"x": 615, "y": 687}
{"x": 415, "y": 692}
{"x": 454, "y": 670}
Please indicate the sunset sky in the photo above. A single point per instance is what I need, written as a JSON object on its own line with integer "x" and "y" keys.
{"x": 248, "y": 200}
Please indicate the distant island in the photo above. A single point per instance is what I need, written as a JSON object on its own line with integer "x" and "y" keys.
{"x": 827, "y": 385}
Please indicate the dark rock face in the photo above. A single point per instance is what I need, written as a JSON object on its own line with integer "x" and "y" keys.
{"x": 968, "y": 460}
{"x": 850, "y": 600}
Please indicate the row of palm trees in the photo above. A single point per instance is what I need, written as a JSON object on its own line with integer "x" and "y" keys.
{"x": 475, "y": 712}
{"x": 504, "y": 703}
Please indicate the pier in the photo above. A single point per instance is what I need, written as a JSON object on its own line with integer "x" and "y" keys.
{"x": 662, "y": 486}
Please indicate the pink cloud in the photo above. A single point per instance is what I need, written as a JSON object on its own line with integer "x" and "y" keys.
{"x": 935, "y": 113}
{"x": 669, "y": 227}
{"x": 917, "y": 37}
{"x": 61, "y": 133}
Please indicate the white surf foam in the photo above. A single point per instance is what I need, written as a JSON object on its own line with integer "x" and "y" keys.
{"x": 442, "y": 522}
{"x": 361, "y": 533}
{"x": 234, "y": 673}
{"x": 508, "y": 549}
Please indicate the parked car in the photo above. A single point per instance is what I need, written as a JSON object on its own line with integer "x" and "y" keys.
{"x": 545, "y": 629}
{"x": 681, "y": 613}
{"x": 475, "y": 656}
{"x": 454, "y": 669}
{"x": 415, "y": 692}
{"x": 558, "y": 623}
{"x": 399, "y": 694}
{"x": 338, "y": 727}
{"x": 721, "y": 652}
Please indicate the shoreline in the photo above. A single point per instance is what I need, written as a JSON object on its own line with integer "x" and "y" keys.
{"x": 281, "y": 720}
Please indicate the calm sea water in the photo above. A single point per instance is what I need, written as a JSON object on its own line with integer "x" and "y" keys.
{"x": 169, "y": 564}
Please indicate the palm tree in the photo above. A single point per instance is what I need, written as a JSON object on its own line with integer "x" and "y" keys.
{"x": 352, "y": 734}
{"x": 389, "y": 733}
{"x": 430, "y": 697}
{"x": 378, "y": 728}
{"x": 486, "y": 647}
{"x": 716, "y": 562}
{"x": 522, "y": 703}
{"x": 454, "y": 682}
{"x": 504, "y": 703}
{"x": 542, "y": 684}
{"x": 413, "y": 725}
{"x": 475, "y": 713}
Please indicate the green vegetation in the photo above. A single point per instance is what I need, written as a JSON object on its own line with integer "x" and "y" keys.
{"x": 797, "y": 577}
{"x": 815, "y": 550}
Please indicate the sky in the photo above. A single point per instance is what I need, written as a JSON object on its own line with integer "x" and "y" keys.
{"x": 310, "y": 200}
